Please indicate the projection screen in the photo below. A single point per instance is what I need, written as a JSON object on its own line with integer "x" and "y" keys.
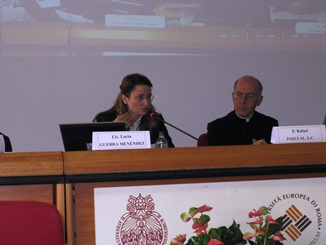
{"x": 62, "y": 61}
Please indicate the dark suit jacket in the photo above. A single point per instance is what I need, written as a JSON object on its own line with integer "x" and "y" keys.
{"x": 8, "y": 147}
{"x": 108, "y": 116}
{"x": 232, "y": 130}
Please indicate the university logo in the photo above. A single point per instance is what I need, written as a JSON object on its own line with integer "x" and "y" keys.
{"x": 302, "y": 217}
{"x": 141, "y": 224}
{"x": 294, "y": 222}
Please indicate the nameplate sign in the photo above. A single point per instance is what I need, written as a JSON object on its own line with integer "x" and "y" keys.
{"x": 298, "y": 134}
{"x": 144, "y": 21}
{"x": 121, "y": 140}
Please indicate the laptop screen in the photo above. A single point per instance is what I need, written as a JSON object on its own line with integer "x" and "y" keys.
{"x": 78, "y": 136}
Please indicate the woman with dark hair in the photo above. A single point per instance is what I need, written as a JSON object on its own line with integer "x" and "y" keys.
{"x": 134, "y": 106}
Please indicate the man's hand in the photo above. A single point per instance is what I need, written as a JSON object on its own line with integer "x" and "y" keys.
{"x": 259, "y": 142}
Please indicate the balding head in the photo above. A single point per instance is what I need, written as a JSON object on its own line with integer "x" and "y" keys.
{"x": 250, "y": 79}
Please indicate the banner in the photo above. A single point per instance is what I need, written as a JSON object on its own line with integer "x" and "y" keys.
{"x": 141, "y": 210}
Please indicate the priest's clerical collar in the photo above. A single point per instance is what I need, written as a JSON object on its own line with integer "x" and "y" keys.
{"x": 245, "y": 118}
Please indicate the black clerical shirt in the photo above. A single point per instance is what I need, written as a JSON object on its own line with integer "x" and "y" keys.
{"x": 233, "y": 130}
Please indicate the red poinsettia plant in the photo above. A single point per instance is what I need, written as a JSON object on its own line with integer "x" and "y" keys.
{"x": 267, "y": 231}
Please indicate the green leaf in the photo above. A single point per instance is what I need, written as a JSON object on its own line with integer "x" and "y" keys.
{"x": 204, "y": 218}
{"x": 273, "y": 228}
{"x": 216, "y": 233}
{"x": 270, "y": 242}
{"x": 279, "y": 220}
{"x": 204, "y": 238}
{"x": 278, "y": 243}
{"x": 192, "y": 241}
{"x": 229, "y": 236}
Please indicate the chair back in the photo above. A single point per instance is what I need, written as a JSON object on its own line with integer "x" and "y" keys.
{"x": 202, "y": 140}
{"x": 30, "y": 223}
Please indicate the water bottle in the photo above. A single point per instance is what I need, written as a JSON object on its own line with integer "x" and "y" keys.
{"x": 161, "y": 142}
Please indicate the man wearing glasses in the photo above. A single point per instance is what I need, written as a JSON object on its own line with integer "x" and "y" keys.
{"x": 244, "y": 125}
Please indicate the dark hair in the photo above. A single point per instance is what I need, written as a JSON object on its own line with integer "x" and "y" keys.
{"x": 130, "y": 81}
{"x": 260, "y": 86}
{"x": 128, "y": 84}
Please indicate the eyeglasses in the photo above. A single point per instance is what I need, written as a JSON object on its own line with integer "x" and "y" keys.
{"x": 240, "y": 96}
{"x": 140, "y": 98}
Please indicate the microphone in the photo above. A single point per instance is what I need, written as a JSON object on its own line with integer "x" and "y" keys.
{"x": 156, "y": 115}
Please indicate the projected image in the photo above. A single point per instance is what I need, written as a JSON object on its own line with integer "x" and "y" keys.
{"x": 151, "y": 26}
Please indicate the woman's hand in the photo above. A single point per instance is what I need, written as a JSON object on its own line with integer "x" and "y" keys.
{"x": 126, "y": 118}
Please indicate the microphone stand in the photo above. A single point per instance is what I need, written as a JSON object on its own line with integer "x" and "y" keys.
{"x": 174, "y": 126}
{"x": 181, "y": 130}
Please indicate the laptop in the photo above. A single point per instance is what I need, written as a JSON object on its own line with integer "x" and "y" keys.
{"x": 78, "y": 136}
